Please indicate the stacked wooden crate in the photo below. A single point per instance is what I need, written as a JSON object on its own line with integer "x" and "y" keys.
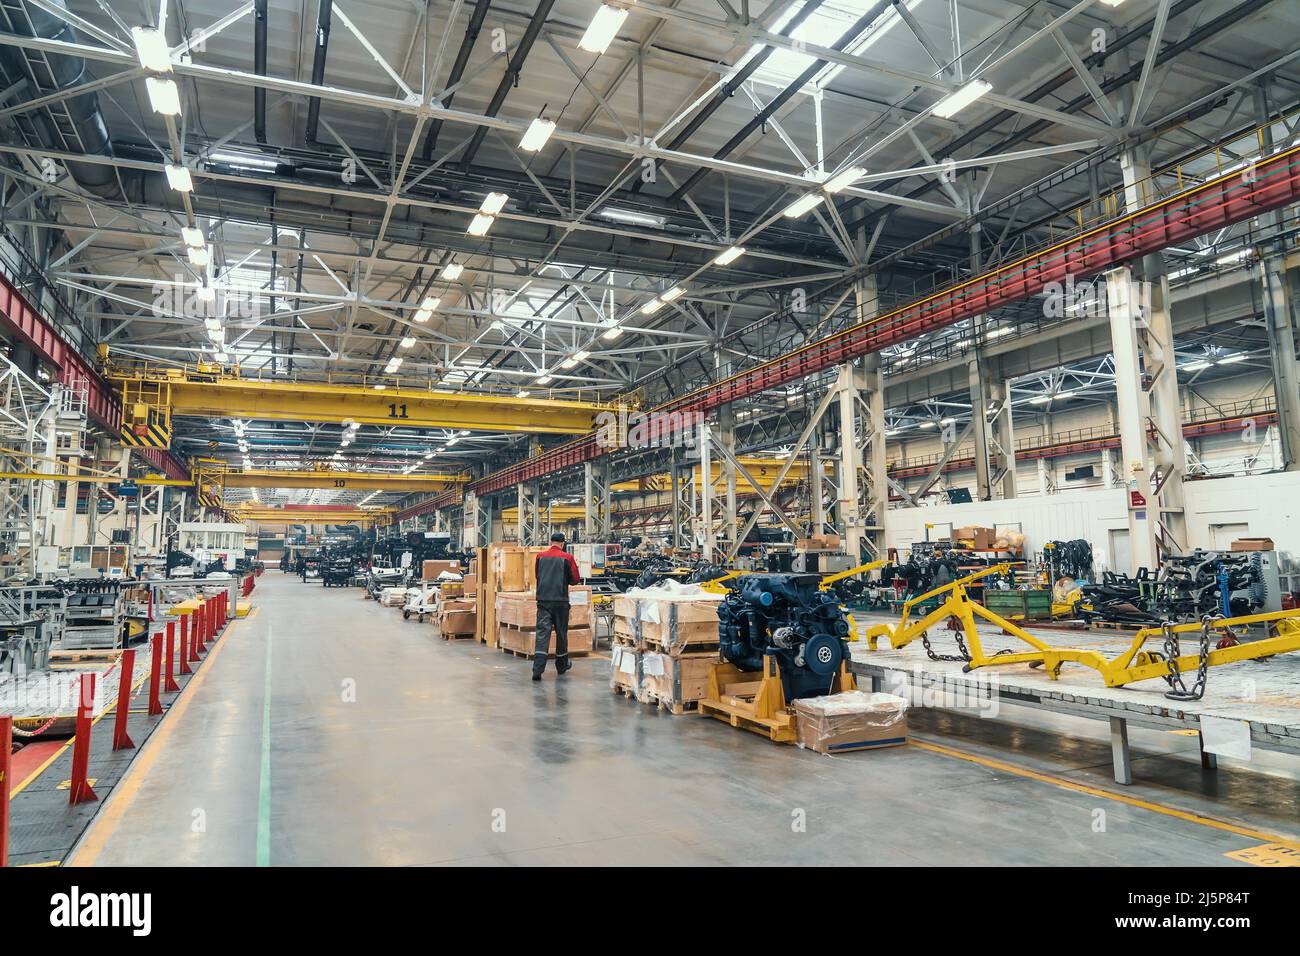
{"x": 663, "y": 647}
{"x": 497, "y": 569}
{"x": 516, "y": 615}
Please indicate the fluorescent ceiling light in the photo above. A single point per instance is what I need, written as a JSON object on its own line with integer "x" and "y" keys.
{"x": 926, "y": 425}
{"x": 380, "y": 388}
{"x": 193, "y": 236}
{"x": 569, "y": 362}
{"x": 179, "y": 178}
{"x": 151, "y": 49}
{"x": 493, "y": 203}
{"x": 206, "y": 293}
{"x": 1064, "y": 395}
{"x": 452, "y": 270}
{"x": 1233, "y": 358}
{"x": 651, "y": 307}
{"x": 535, "y": 137}
{"x": 164, "y": 97}
{"x": 407, "y": 341}
{"x": 632, "y": 218}
{"x": 543, "y": 378}
{"x": 843, "y": 180}
{"x": 673, "y": 294}
{"x": 1111, "y": 3}
{"x": 611, "y": 333}
{"x": 1040, "y": 400}
{"x": 959, "y": 99}
{"x": 729, "y": 256}
{"x": 523, "y": 393}
{"x": 216, "y": 335}
{"x": 222, "y": 357}
{"x": 603, "y": 28}
{"x": 395, "y": 363}
{"x": 581, "y": 354}
{"x": 199, "y": 256}
{"x": 803, "y": 204}
{"x": 480, "y": 224}
{"x": 1194, "y": 366}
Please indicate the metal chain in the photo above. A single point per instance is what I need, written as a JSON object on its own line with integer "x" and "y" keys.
{"x": 1172, "y": 649}
{"x": 961, "y": 645}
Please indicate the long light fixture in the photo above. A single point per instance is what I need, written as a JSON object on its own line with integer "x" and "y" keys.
{"x": 959, "y": 99}
{"x": 611, "y": 333}
{"x": 244, "y": 160}
{"x": 653, "y": 306}
{"x": 802, "y": 205}
{"x": 603, "y": 28}
{"x": 179, "y": 178}
{"x": 427, "y": 308}
{"x": 407, "y": 341}
{"x": 1194, "y": 366}
{"x": 844, "y": 179}
{"x": 480, "y": 224}
{"x": 729, "y": 256}
{"x": 673, "y": 294}
{"x": 493, "y": 203}
{"x": 164, "y": 96}
{"x": 451, "y": 271}
{"x": 151, "y": 49}
{"x": 193, "y": 236}
{"x": 535, "y": 137}
{"x": 1229, "y": 360}
{"x": 199, "y": 256}
{"x": 543, "y": 378}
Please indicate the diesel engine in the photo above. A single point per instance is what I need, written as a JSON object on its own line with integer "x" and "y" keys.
{"x": 788, "y": 616}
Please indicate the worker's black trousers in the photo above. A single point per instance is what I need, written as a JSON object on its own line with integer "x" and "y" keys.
{"x": 552, "y": 615}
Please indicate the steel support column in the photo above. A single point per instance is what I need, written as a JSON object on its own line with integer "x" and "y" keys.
{"x": 596, "y": 522}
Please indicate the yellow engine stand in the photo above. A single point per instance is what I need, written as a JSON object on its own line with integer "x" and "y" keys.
{"x": 1134, "y": 664}
{"x": 755, "y": 700}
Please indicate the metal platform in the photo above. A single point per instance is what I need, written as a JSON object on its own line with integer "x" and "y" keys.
{"x": 1265, "y": 694}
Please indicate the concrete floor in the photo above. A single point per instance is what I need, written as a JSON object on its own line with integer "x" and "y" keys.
{"x": 328, "y": 731}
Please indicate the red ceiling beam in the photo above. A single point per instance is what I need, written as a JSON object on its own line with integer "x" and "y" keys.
{"x": 1224, "y": 201}
{"x": 21, "y": 321}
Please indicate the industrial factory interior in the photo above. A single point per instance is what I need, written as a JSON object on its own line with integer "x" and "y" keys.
{"x": 651, "y": 433}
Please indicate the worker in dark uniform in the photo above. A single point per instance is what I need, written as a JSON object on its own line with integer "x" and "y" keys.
{"x": 555, "y": 570}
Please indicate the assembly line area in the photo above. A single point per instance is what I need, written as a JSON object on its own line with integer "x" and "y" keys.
{"x": 629, "y": 433}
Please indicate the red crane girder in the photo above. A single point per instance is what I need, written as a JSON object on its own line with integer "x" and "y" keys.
{"x": 1228, "y": 199}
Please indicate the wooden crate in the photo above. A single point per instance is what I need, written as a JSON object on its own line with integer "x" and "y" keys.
{"x": 671, "y": 626}
{"x": 519, "y": 608}
{"x": 625, "y": 681}
{"x": 523, "y": 642}
{"x": 676, "y": 682}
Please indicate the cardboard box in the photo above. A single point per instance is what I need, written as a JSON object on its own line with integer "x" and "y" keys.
{"x": 853, "y": 720}
{"x": 820, "y": 542}
{"x": 1253, "y": 544}
{"x": 430, "y": 570}
{"x": 470, "y": 583}
{"x": 981, "y": 539}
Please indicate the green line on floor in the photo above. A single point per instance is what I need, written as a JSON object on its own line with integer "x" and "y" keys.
{"x": 264, "y": 773}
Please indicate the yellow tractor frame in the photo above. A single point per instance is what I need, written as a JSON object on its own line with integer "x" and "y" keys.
{"x": 1134, "y": 664}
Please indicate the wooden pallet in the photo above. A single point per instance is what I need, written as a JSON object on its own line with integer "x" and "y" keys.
{"x": 458, "y": 637}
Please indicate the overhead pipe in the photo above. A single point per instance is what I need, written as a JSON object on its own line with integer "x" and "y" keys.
{"x": 259, "y": 67}
{"x": 729, "y": 88}
{"x": 762, "y": 116}
{"x": 510, "y": 79}
{"x": 323, "y": 16}
{"x": 457, "y": 71}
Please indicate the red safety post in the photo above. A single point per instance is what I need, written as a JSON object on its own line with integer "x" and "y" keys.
{"x": 169, "y": 679}
{"x": 223, "y": 606}
{"x": 79, "y": 790}
{"x": 183, "y": 658}
{"x": 122, "y": 740}
{"x": 196, "y": 638}
{"x": 6, "y": 768}
{"x": 155, "y": 677}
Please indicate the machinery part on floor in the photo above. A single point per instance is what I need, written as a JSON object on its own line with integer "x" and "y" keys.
{"x": 1069, "y": 559}
{"x": 1133, "y": 665}
{"x": 788, "y": 617}
{"x": 1173, "y": 652}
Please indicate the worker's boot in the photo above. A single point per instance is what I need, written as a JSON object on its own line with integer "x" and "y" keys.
{"x": 562, "y": 665}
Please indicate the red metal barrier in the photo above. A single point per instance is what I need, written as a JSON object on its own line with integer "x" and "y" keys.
{"x": 183, "y": 658}
{"x": 6, "y": 769}
{"x": 155, "y": 677}
{"x": 79, "y": 789}
{"x": 199, "y": 640}
{"x": 121, "y": 740}
{"x": 196, "y": 638}
{"x": 169, "y": 681}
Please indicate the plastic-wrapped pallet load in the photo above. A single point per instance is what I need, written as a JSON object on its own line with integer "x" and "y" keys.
{"x": 392, "y": 597}
{"x": 625, "y": 670}
{"x": 853, "y": 720}
{"x": 670, "y": 617}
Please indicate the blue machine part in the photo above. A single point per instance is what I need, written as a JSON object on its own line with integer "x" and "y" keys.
{"x": 791, "y": 618}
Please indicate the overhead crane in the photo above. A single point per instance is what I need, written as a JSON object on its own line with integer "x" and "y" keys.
{"x": 341, "y": 480}
{"x": 266, "y": 514}
{"x": 152, "y": 396}
{"x": 763, "y": 470}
